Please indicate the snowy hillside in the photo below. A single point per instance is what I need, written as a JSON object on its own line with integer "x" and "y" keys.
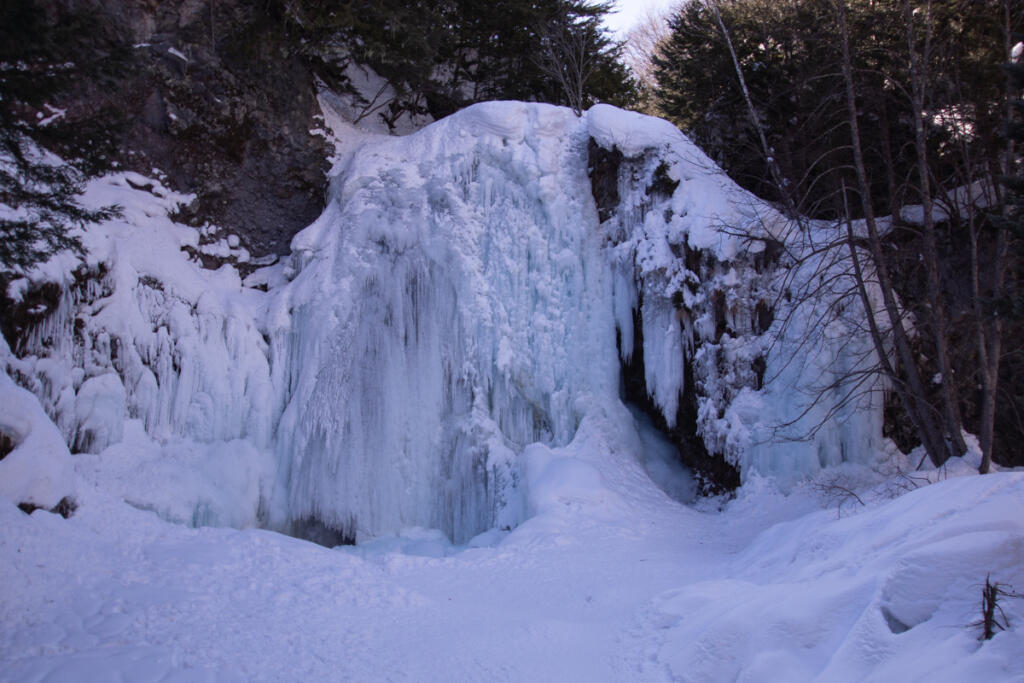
{"x": 505, "y": 332}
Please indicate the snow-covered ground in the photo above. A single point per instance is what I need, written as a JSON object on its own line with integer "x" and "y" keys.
{"x": 610, "y": 581}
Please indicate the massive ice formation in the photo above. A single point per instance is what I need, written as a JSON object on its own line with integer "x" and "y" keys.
{"x": 453, "y": 303}
{"x": 470, "y": 289}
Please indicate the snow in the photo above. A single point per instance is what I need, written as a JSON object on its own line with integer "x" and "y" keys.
{"x": 612, "y": 580}
{"x": 100, "y": 407}
{"x": 38, "y": 470}
{"x": 435, "y": 371}
{"x": 458, "y": 303}
{"x": 661, "y": 461}
{"x": 964, "y": 201}
{"x": 366, "y": 106}
{"x": 155, "y": 348}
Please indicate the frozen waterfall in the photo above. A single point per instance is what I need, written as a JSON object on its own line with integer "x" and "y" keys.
{"x": 460, "y": 299}
{"x": 470, "y": 289}
{"x": 453, "y": 304}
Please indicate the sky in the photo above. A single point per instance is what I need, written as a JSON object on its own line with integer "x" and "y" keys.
{"x": 629, "y": 12}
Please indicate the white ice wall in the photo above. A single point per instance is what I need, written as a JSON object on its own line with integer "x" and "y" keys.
{"x": 453, "y": 296}
{"x": 142, "y": 335}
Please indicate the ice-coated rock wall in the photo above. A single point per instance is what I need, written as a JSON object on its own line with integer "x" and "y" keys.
{"x": 470, "y": 289}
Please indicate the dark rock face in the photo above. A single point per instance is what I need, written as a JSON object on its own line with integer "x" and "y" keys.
{"x": 217, "y": 96}
{"x": 625, "y": 190}
{"x": 714, "y": 474}
{"x": 603, "y": 166}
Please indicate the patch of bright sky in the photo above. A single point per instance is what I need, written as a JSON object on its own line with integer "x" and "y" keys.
{"x": 627, "y": 13}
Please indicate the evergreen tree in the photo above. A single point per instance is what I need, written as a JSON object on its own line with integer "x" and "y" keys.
{"x": 44, "y": 157}
{"x": 442, "y": 56}
{"x": 790, "y": 63}
{"x": 789, "y": 56}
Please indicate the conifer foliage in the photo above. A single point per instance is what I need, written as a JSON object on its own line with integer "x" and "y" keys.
{"x": 44, "y": 157}
{"x": 789, "y": 55}
{"x": 442, "y": 56}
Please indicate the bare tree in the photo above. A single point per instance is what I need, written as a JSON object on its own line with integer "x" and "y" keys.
{"x": 641, "y": 44}
{"x": 773, "y": 167}
{"x": 568, "y": 57}
{"x": 904, "y": 375}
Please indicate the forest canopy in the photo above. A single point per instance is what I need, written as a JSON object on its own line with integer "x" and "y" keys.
{"x": 852, "y": 110}
{"x": 442, "y": 56}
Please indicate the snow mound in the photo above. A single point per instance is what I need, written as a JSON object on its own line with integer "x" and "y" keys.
{"x": 38, "y": 470}
{"x": 888, "y": 594}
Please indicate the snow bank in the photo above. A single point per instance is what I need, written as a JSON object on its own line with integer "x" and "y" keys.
{"x": 142, "y": 333}
{"x": 619, "y": 583}
{"x": 887, "y": 594}
{"x": 38, "y": 470}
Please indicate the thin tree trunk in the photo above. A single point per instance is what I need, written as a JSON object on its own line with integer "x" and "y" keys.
{"x": 877, "y": 340}
{"x": 990, "y": 381}
{"x": 917, "y": 406}
{"x": 769, "y": 156}
{"x": 991, "y": 344}
{"x": 988, "y": 336}
{"x": 940, "y": 318}
{"x": 890, "y": 166}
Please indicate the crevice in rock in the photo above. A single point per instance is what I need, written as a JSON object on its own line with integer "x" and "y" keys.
{"x": 603, "y": 167}
{"x": 608, "y": 169}
{"x": 714, "y": 475}
{"x": 317, "y": 531}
